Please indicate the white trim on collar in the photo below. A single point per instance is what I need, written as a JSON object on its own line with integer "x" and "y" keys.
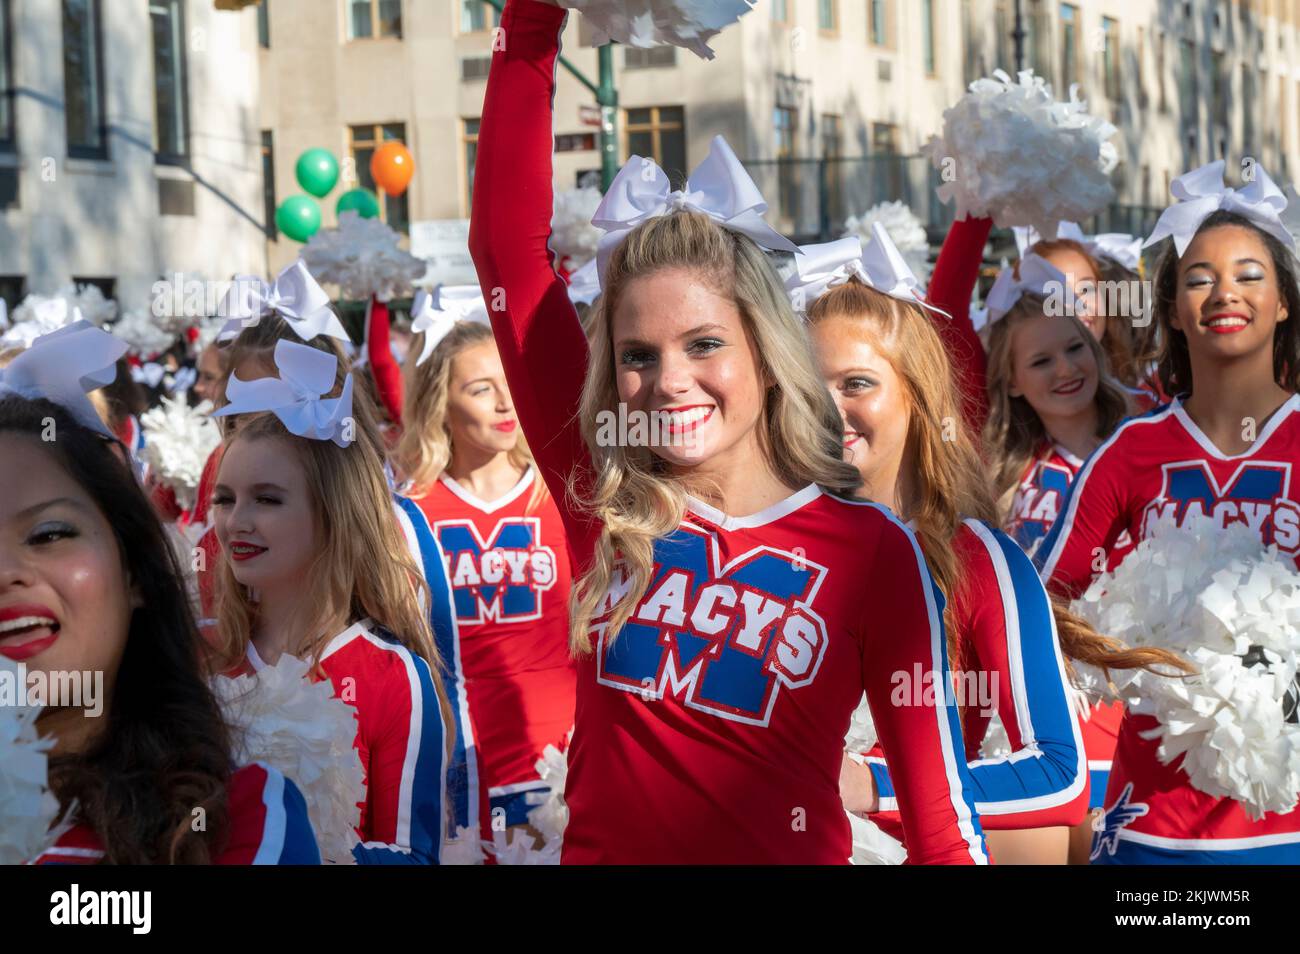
{"x": 361, "y": 627}
{"x": 490, "y": 506}
{"x": 1207, "y": 445}
{"x": 767, "y": 515}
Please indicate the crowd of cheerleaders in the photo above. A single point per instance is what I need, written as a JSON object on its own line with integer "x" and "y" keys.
{"x": 696, "y": 622}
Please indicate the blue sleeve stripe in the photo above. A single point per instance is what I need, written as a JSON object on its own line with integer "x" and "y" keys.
{"x": 947, "y": 720}
{"x": 1051, "y": 767}
{"x": 299, "y": 840}
{"x": 462, "y": 771}
{"x": 421, "y": 826}
{"x": 273, "y": 828}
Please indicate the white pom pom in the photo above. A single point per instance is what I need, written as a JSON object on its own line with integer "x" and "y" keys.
{"x": 39, "y": 315}
{"x": 573, "y": 237}
{"x": 645, "y": 23}
{"x": 1211, "y": 594}
{"x": 178, "y": 440}
{"x": 362, "y": 257}
{"x": 463, "y": 848}
{"x": 903, "y": 227}
{"x": 282, "y": 718}
{"x": 521, "y": 848}
{"x": 142, "y": 332}
{"x": 861, "y": 737}
{"x": 871, "y": 846}
{"x": 27, "y": 807}
{"x": 551, "y": 816}
{"x": 1012, "y": 152}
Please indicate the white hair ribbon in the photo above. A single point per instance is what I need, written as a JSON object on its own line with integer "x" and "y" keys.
{"x": 1116, "y": 246}
{"x": 434, "y": 315}
{"x": 296, "y": 397}
{"x": 150, "y": 374}
{"x": 880, "y": 266}
{"x": 294, "y": 295}
{"x": 584, "y": 284}
{"x": 1201, "y": 193}
{"x": 63, "y": 366}
{"x": 1038, "y": 276}
{"x": 719, "y": 188}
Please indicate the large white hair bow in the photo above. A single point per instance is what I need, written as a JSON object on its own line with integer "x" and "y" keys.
{"x": 1116, "y": 246}
{"x": 719, "y": 187}
{"x": 296, "y": 397}
{"x": 881, "y": 266}
{"x": 1038, "y": 276}
{"x": 584, "y": 284}
{"x": 294, "y": 295}
{"x": 434, "y": 315}
{"x": 63, "y": 366}
{"x": 1201, "y": 193}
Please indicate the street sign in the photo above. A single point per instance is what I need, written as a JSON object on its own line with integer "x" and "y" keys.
{"x": 444, "y": 244}
{"x": 589, "y": 115}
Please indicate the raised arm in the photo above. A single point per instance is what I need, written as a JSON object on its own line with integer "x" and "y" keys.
{"x": 922, "y": 742}
{"x": 951, "y": 286}
{"x": 543, "y": 348}
{"x": 383, "y": 366}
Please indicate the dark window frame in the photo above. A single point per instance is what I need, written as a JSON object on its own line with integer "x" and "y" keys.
{"x": 167, "y": 158}
{"x": 79, "y": 151}
{"x": 9, "y": 132}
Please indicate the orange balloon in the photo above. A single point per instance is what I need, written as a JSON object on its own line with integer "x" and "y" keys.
{"x": 392, "y": 166}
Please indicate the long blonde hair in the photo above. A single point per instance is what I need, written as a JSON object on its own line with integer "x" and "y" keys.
{"x": 629, "y": 489}
{"x": 424, "y": 449}
{"x": 1014, "y": 433}
{"x": 950, "y": 485}
{"x": 950, "y": 474}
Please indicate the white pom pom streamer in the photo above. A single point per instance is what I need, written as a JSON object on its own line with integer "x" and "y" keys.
{"x": 871, "y": 846}
{"x": 27, "y": 807}
{"x": 178, "y": 440}
{"x": 282, "y": 718}
{"x": 362, "y": 257}
{"x": 903, "y": 227}
{"x": 39, "y": 315}
{"x": 573, "y": 237}
{"x": 861, "y": 737}
{"x": 646, "y": 23}
{"x": 1023, "y": 157}
{"x": 463, "y": 848}
{"x": 142, "y": 332}
{"x": 1211, "y": 594}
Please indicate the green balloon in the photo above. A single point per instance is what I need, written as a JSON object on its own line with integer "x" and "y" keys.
{"x": 317, "y": 171}
{"x": 361, "y": 201}
{"x": 298, "y": 217}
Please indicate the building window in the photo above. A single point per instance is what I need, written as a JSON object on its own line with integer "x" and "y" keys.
{"x": 1160, "y": 71}
{"x": 264, "y": 24}
{"x": 1069, "y": 45}
{"x": 659, "y": 133}
{"x": 362, "y": 143}
{"x": 477, "y": 16}
{"x": 884, "y": 139}
{"x": 1248, "y": 110}
{"x": 83, "y": 79}
{"x": 1219, "y": 88}
{"x": 785, "y": 123}
{"x": 781, "y": 11}
{"x": 927, "y": 36}
{"x": 374, "y": 18}
{"x": 268, "y": 184}
{"x": 828, "y": 15}
{"x": 6, "y": 79}
{"x": 107, "y": 286}
{"x": 1187, "y": 92}
{"x": 171, "y": 112}
{"x": 1110, "y": 58}
{"x": 636, "y": 58}
{"x": 879, "y": 23}
{"x": 575, "y": 142}
{"x": 12, "y": 290}
{"x": 832, "y": 150}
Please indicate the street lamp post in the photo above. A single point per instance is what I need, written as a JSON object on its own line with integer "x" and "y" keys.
{"x": 1018, "y": 36}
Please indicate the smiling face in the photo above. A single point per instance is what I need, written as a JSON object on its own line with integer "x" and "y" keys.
{"x": 1228, "y": 302}
{"x": 480, "y": 414}
{"x": 1083, "y": 281}
{"x": 65, "y": 596}
{"x": 682, "y": 350}
{"x": 263, "y": 514}
{"x": 869, "y": 394}
{"x": 1052, "y": 367}
{"x": 208, "y": 383}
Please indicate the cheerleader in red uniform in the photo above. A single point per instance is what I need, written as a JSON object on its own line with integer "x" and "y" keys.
{"x": 468, "y": 468}
{"x": 88, "y": 583}
{"x": 1225, "y": 297}
{"x": 304, "y": 517}
{"x": 732, "y": 601}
